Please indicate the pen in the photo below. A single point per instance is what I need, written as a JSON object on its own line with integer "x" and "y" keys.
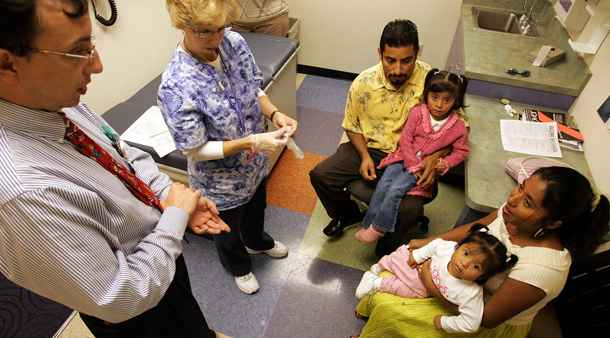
{"x": 113, "y": 140}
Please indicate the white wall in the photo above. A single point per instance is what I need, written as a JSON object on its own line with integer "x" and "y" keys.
{"x": 335, "y": 34}
{"x": 344, "y": 34}
{"x": 584, "y": 110}
{"x": 134, "y": 50}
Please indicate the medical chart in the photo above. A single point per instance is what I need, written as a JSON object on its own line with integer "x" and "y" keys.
{"x": 150, "y": 130}
{"x": 535, "y": 138}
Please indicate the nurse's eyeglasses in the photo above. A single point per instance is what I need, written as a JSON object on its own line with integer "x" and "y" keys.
{"x": 207, "y": 34}
{"x": 513, "y": 72}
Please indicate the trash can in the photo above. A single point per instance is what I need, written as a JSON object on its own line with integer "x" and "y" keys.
{"x": 293, "y": 28}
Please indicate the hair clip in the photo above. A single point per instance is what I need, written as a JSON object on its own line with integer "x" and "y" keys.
{"x": 485, "y": 230}
{"x": 508, "y": 254}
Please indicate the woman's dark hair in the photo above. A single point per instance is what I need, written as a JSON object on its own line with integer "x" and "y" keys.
{"x": 444, "y": 81}
{"x": 569, "y": 198}
{"x": 497, "y": 258}
{"x": 19, "y": 24}
{"x": 399, "y": 33}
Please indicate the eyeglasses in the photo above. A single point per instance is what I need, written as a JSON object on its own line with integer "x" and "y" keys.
{"x": 207, "y": 34}
{"x": 513, "y": 71}
{"x": 82, "y": 53}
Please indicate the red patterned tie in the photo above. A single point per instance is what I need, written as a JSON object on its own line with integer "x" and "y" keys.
{"x": 92, "y": 150}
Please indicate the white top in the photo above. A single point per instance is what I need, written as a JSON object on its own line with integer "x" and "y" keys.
{"x": 436, "y": 125}
{"x": 543, "y": 268}
{"x": 467, "y": 295}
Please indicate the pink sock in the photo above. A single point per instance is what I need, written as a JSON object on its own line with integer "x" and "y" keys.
{"x": 369, "y": 235}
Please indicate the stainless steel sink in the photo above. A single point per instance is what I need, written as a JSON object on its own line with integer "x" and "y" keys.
{"x": 502, "y": 21}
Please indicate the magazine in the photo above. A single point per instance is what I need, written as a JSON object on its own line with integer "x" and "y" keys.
{"x": 569, "y": 136}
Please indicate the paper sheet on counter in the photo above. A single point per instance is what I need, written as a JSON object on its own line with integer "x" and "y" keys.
{"x": 150, "y": 130}
{"x": 535, "y": 138}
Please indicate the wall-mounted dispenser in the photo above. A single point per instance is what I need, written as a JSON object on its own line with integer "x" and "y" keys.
{"x": 573, "y": 13}
{"x": 602, "y": 20}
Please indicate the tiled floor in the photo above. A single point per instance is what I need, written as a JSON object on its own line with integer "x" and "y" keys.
{"x": 310, "y": 293}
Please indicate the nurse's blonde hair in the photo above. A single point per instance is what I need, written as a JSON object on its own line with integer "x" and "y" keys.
{"x": 186, "y": 14}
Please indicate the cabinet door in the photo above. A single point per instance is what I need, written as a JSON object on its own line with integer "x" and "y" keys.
{"x": 455, "y": 61}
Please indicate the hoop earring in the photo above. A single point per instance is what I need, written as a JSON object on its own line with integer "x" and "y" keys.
{"x": 539, "y": 233}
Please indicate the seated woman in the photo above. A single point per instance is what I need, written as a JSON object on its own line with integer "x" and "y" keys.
{"x": 552, "y": 217}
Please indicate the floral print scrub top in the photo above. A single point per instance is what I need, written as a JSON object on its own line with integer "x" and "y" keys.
{"x": 196, "y": 109}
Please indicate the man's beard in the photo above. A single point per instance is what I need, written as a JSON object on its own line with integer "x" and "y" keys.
{"x": 398, "y": 80}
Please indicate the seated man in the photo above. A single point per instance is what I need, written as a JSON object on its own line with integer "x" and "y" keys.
{"x": 378, "y": 103}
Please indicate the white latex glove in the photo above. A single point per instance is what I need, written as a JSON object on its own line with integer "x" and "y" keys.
{"x": 269, "y": 142}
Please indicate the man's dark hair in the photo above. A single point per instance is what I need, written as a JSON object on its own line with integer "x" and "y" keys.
{"x": 19, "y": 24}
{"x": 399, "y": 33}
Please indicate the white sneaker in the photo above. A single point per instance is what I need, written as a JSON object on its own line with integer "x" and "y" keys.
{"x": 247, "y": 283}
{"x": 376, "y": 269}
{"x": 278, "y": 250}
{"x": 367, "y": 285}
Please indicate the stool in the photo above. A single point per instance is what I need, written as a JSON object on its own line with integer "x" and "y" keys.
{"x": 363, "y": 191}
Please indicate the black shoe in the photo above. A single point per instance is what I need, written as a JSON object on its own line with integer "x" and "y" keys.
{"x": 336, "y": 225}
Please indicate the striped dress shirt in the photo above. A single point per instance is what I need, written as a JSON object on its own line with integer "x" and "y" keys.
{"x": 70, "y": 230}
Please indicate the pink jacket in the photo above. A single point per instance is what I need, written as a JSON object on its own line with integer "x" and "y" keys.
{"x": 418, "y": 135}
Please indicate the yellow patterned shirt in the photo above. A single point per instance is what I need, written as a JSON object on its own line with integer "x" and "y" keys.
{"x": 378, "y": 111}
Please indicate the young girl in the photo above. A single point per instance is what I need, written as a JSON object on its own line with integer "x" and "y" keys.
{"x": 459, "y": 273}
{"x": 430, "y": 127}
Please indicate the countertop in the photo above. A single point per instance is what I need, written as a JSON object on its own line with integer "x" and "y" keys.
{"x": 487, "y": 184}
{"x": 487, "y": 54}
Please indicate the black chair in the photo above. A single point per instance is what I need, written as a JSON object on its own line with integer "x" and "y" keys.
{"x": 363, "y": 191}
{"x": 583, "y": 307}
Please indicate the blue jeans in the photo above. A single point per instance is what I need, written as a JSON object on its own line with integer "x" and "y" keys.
{"x": 392, "y": 187}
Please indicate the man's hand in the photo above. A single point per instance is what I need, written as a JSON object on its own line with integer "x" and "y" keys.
{"x": 367, "y": 169}
{"x": 182, "y": 197}
{"x": 428, "y": 172}
{"x": 205, "y": 220}
{"x": 441, "y": 167}
{"x": 367, "y": 166}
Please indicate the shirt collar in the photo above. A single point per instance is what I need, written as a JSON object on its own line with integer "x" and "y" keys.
{"x": 39, "y": 122}
{"x": 436, "y": 123}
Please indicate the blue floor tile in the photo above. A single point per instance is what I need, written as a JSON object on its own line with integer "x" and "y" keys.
{"x": 323, "y": 94}
{"x": 226, "y": 308}
{"x": 319, "y": 131}
{"x": 317, "y": 301}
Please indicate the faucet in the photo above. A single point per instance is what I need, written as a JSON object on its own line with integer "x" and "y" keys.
{"x": 526, "y": 18}
{"x": 525, "y": 21}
